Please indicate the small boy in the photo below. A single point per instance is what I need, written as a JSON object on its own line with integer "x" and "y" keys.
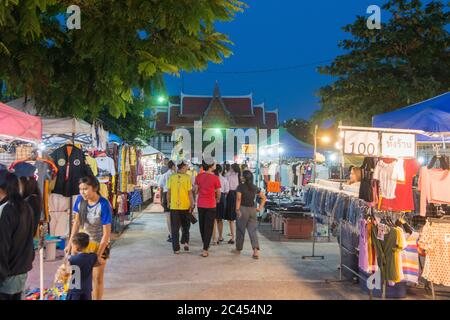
{"x": 82, "y": 266}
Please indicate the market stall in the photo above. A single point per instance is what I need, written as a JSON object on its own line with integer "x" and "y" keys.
{"x": 151, "y": 160}
{"x": 382, "y": 216}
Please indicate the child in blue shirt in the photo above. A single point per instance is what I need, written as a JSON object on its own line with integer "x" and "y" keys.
{"x": 82, "y": 266}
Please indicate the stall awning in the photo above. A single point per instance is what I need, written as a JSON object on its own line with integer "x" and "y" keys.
{"x": 58, "y": 126}
{"x": 432, "y": 115}
{"x": 149, "y": 150}
{"x": 15, "y": 124}
{"x": 292, "y": 147}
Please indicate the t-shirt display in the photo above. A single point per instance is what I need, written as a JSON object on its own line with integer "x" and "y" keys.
{"x": 106, "y": 168}
{"x": 71, "y": 168}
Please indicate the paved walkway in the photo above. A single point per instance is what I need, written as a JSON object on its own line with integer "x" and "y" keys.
{"x": 142, "y": 267}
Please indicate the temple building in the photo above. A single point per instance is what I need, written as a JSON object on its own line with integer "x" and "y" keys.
{"x": 216, "y": 111}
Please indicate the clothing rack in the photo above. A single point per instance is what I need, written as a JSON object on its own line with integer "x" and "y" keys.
{"x": 436, "y": 220}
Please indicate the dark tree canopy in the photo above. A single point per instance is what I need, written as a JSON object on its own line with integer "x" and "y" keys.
{"x": 121, "y": 46}
{"x": 405, "y": 62}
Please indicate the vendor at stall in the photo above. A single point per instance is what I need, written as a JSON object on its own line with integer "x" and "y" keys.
{"x": 355, "y": 176}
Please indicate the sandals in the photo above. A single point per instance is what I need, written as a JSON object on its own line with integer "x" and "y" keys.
{"x": 231, "y": 241}
{"x": 256, "y": 257}
{"x": 176, "y": 252}
{"x": 205, "y": 255}
{"x": 186, "y": 248}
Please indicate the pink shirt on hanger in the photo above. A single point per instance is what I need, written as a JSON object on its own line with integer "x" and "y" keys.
{"x": 434, "y": 186}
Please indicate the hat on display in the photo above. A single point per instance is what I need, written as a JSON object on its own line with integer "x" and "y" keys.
{"x": 24, "y": 169}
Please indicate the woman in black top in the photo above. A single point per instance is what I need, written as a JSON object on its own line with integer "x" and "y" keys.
{"x": 30, "y": 192}
{"x": 246, "y": 212}
{"x": 16, "y": 238}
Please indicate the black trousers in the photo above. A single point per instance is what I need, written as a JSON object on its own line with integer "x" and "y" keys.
{"x": 179, "y": 218}
{"x": 206, "y": 218}
{"x": 164, "y": 202}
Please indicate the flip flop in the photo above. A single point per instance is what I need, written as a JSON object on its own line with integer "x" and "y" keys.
{"x": 205, "y": 255}
{"x": 186, "y": 248}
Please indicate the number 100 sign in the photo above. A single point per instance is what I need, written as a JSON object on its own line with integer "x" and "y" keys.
{"x": 363, "y": 143}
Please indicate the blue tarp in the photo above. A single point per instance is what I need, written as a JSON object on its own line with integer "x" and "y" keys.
{"x": 293, "y": 147}
{"x": 432, "y": 115}
{"x": 114, "y": 138}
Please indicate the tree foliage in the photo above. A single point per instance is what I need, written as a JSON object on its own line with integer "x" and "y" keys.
{"x": 405, "y": 62}
{"x": 122, "y": 45}
{"x": 300, "y": 128}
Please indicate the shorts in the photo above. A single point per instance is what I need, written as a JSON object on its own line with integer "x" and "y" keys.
{"x": 94, "y": 246}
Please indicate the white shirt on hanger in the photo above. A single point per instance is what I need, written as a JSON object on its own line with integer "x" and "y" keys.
{"x": 105, "y": 166}
{"x": 388, "y": 174}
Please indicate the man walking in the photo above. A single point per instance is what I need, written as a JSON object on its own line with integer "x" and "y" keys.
{"x": 181, "y": 203}
{"x": 163, "y": 185}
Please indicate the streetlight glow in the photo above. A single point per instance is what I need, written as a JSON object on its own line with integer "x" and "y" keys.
{"x": 325, "y": 139}
{"x": 161, "y": 99}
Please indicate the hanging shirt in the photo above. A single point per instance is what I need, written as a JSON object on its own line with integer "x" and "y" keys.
{"x": 71, "y": 168}
{"x": 92, "y": 163}
{"x": 410, "y": 259}
{"x": 105, "y": 166}
{"x": 273, "y": 169}
{"x": 284, "y": 175}
{"x": 404, "y": 200}
{"x": 387, "y": 175}
{"x": 434, "y": 187}
{"x": 435, "y": 240}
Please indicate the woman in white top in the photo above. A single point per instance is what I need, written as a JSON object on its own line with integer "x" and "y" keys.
{"x": 234, "y": 179}
{"x": 221, "y": 206}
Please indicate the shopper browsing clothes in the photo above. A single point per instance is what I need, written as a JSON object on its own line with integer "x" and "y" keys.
{"x": 16, "y": 238}
{"x": 181, "y": 203}
{"x": 207, "y": 186}
{"x": 85, "y": 263}
{"x": 94, "y": 214}
{"x": 163, "y": 185}
{"x": 221, "y": 206}
{"x": 246, "y": 213}
{"x": 234, "y": 178}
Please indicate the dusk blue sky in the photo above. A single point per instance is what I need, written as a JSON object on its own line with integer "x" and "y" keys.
{"x": 273, "y": 34}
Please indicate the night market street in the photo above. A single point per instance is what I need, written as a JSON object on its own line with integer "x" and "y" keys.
{"x": 143, "y": 268}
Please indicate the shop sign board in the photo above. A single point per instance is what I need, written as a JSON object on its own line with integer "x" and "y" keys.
{"x": 249, "y": 148}
{"x": 398, "y": 145}
{"x": 361, "y": 143}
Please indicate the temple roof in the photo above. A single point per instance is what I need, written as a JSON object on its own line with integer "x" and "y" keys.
{"x": 238, "y": 110}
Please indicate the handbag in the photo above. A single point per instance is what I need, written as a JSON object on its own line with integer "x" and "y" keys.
{"x": 192, "y": 218}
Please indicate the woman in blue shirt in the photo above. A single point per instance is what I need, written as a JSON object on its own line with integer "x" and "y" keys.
{"x": 93, "y": 214}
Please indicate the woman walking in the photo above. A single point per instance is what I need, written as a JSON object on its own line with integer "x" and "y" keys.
{"x": 234, "y": 178}
{"x": 221, "y": 206}
{"x": 207, "y": 186}
{"x": 246, "y": 213}
{"x": 30, "y": 192}
{"x": 16, "y": 238}
{"x": 94, "y": 214}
